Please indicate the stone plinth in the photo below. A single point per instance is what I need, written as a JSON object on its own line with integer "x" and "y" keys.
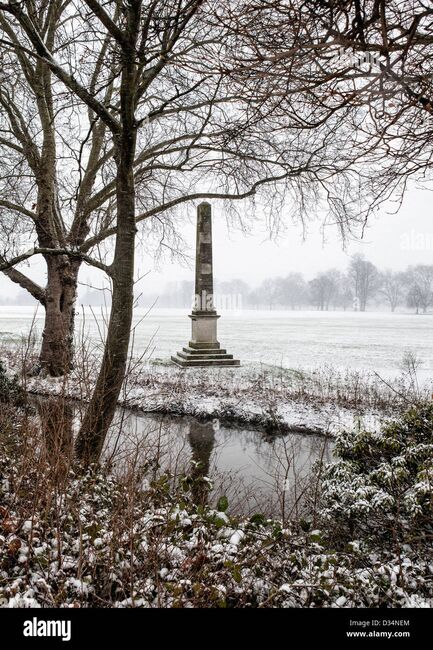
{"x": 204, "y": 348}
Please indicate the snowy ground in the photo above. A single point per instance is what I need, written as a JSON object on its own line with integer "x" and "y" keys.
{"x": 307, "y": 371}
{"x": 258, "y": 397}
{"x": 299, "y": 339}
{"x": 155, "y": 552}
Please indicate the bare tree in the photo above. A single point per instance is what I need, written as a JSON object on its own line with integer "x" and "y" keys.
{"x": 32, "y": 197}
{"x": 163, "y": 124}
{"x": 270, "y": 292}
{"x": 345, "y": 292}
{"x": 392, "y": 287}
{"x": 414, "y": 298}
{"x": 293, "y": 290}
{"x": 419, "y": 281}
{"x": 364, "y": 278}
{"x": 324, "y": 289}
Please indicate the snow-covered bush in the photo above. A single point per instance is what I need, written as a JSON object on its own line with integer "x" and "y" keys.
{"x": 10, "y": 388}
{"x": 380, "y": 488}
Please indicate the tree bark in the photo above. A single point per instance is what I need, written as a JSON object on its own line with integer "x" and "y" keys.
{"x": 102, "y": 406}
{"x": 101, "y": 409}
{"x": 56, "y": 355}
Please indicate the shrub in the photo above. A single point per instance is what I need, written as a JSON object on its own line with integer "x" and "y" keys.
{"x": 380, "y": 488}
{"x": 10, "y": 389}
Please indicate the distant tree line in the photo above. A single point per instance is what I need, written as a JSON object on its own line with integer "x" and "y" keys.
{"x": 361, "y": 286}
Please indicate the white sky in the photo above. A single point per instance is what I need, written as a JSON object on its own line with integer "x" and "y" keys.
{"x": 391, "y": 240}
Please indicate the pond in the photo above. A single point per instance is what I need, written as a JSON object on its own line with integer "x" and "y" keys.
{"x": 256, "y": 471}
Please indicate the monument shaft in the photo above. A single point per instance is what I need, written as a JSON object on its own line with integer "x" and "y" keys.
{"x": 203, "y": 261}
{"x": 204, "y": 348}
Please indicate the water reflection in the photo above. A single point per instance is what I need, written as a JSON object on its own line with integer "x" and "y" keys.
{"x": 201, "y": 438}
{"x": 257, "y": 472}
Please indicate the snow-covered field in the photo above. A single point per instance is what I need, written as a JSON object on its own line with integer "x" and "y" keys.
{"x": 293, "y": 339}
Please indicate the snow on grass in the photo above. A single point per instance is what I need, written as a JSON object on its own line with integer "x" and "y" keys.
{"x": 257, "y": 396}
{"x": 154, "y": 549}
{"x": 363, "y": 341}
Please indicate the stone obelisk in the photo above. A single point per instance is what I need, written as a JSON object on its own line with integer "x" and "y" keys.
{"x": 204, "y": 348}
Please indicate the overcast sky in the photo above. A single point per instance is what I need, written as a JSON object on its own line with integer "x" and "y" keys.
{"x": 391, "y": 240}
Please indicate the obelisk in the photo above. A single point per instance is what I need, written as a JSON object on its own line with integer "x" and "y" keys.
{"x": 204, "y": 317}
{"x": 204, "y": 348}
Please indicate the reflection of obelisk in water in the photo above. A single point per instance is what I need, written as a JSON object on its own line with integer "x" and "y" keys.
{"x": 202, "y": 439}
{"x": 204, "y": 348}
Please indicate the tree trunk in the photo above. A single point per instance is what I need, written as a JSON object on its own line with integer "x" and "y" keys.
{"x": 56, "y": 355}
{"x": 102, "y": 406}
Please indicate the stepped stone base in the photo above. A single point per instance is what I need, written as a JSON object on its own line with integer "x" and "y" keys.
{"x": 194, "y": 357}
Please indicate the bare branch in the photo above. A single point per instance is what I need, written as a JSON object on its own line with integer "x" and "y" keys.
{"x": 25, "y": 283}
{"x": 70, "y": 81}
{"x": 8, "y": 264}
{"x": 105, "y": 19}
{"x": 18, "y": 208}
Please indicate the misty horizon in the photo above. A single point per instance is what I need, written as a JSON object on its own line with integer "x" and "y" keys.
{"x": 392, "y": 241}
